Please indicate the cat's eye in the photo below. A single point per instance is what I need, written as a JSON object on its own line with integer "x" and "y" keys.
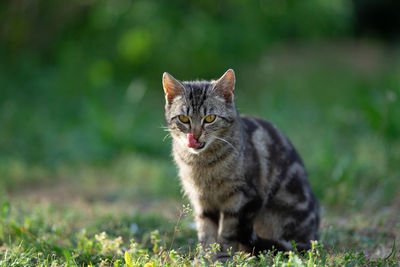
{"x": 183, "y": 119}
{"x": 210, "y": 118}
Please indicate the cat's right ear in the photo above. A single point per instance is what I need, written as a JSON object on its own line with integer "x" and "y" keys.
{"x": 172, "y": 87}
{"x": 226, "y": 85}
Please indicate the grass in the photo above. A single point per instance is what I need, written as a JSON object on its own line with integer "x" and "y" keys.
{"x": 45, "y": 234}
{"x": 96, "y": 214}
{"x": 338, "y": 103}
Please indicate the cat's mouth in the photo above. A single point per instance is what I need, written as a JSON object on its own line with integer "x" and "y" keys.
{"x": 194, "y": 143}
{"x": 200, "y": 146}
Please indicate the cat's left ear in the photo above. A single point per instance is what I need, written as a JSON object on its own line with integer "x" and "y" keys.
{"x": 172, "y": 87}
{"x": 226, "y": 85}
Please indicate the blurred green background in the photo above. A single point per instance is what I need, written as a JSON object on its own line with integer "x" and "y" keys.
{"x": 81, "y": 101}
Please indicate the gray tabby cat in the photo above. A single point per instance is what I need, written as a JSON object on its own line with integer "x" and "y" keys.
{"x": 246, "y": 182}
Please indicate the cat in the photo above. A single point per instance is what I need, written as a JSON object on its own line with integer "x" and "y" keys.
{"x": 246, "y": 182}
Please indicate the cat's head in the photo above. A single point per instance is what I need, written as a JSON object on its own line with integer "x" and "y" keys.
{"x": 199, "y": 113}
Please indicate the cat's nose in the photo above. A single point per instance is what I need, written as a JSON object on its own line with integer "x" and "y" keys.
{"x": 196, "y": 131}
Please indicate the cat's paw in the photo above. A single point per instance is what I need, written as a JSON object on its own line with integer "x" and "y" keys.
{"x": 222, "y": 257}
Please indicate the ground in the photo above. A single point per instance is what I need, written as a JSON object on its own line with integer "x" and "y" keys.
{"x": 62, "y": 221}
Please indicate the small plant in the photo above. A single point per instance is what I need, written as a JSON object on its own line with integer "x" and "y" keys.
{"x": 109, "y": 246}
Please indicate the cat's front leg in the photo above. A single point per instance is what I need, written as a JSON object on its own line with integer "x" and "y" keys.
{"x": 207, "y": 231}
{"x": 228, "y": 235}
{"x": 229, "y": 225}
{"x": 207, "y": 227}
{"x": 236, "y": 226}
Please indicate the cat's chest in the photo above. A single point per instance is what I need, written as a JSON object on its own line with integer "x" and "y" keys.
{"x": 205, "y": 179}
{"x": 208, "y": 187}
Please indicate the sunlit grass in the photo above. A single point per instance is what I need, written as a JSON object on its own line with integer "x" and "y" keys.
{"x": 47, "y": 234}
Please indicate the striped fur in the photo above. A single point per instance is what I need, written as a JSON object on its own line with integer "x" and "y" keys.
{"x": 248, "y": 185}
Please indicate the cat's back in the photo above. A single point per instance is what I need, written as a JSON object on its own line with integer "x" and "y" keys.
{"x": 266, "y": 138}
{"x": 270, "y": 154}
{"x": 274, "y": 167}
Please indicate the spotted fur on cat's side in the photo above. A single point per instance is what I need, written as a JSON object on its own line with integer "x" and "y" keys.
{"x": 246, "y": 182}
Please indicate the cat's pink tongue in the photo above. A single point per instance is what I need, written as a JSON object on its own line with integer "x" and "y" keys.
{"x": 192, "y": 142}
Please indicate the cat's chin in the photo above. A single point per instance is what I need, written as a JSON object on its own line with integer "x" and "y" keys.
{"x": 199, "y": 149}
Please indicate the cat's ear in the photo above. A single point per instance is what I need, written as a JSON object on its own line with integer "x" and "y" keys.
{"x": 225, "y": 85}
{"x": 172, "y": 87}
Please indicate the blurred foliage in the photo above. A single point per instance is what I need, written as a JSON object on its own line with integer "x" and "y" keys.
{"x": 80, "y": 81}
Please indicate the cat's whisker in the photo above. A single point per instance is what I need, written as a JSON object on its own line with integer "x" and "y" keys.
{"x": 170, "y": 130}
{"x": 166, "y": 136}
{"x": 219, "y": 138}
